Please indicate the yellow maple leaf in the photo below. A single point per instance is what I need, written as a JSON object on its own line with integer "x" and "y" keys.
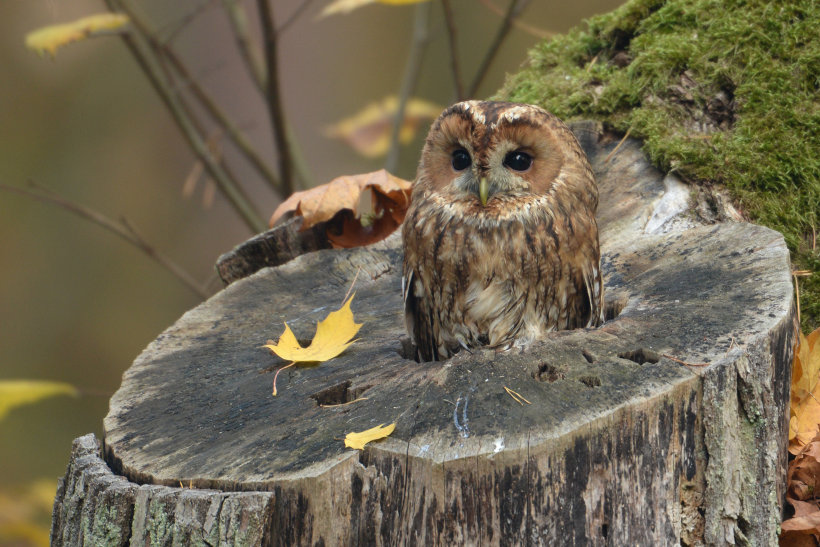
{"x": 369, "y": 130}
{"x": 49, "y": 39}
{"x": 805, "y": 392}
{"x": 358, "y": 440}
{"x": 14, "y": 393}
{"x": 346, "y": 6}
{"x": 333, "y": 335}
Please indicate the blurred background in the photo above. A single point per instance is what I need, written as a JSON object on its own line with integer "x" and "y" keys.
{"x": 77, "y": 304}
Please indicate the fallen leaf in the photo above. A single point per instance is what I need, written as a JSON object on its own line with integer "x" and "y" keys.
{"x": 358, "y": 440}
{"x": 346, "y": 6}
{"x": 333, "y": 335}
{"x": 805, "y": 395}
{"x": 369, "y": 130}
{"x": 358, "y": 209}
{"x": 14, "y": 393}
{"x": 49, "y": 39}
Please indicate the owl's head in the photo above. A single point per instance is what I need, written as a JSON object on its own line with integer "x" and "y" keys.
{"x": 485, "y": 153}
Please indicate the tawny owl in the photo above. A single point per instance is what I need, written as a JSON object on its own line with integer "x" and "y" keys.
{"x": 500, "y": 240}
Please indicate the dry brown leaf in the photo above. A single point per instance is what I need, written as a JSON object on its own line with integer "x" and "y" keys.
{"x": 792, "y": 538}
{"x": 369, "y": 130}
{"x": 803, "y": 480}
{"x": 358, "y": 209}
{"x": 805, "y": 395}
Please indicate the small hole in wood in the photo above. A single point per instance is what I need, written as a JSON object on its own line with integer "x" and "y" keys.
{"x": 588, "y": 356}
{"x": 613, "y": 306}
{"x": 640, "y": 356}
{"x": 590, "y": 381}
{"x": 548, "y": 372}
{"x": 339, "y": 394}
{"x": 407, "y": 350}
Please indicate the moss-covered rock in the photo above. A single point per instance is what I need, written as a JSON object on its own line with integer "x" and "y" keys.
{"x": 724, "y": 92}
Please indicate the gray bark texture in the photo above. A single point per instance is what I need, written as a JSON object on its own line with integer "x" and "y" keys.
{"x": 665, "y": 426}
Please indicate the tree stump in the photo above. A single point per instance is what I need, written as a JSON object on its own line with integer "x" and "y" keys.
{"x": 666, "y": 425}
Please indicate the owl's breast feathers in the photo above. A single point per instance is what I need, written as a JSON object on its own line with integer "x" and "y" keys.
{"x": 499, "y": 276}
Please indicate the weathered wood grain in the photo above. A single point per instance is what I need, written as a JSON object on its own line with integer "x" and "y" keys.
{"x": 622, "y": 444}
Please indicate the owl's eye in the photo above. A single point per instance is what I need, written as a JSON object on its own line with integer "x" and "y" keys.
{"x": 461, "y": 159}
{"x": 518, "y": 161}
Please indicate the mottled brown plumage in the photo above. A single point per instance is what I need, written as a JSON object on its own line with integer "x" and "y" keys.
{"x": 524, "y": 262}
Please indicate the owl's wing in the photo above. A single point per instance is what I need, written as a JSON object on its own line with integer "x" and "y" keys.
{"x": 418, "y": 317}
{"x": 595, "y": 295}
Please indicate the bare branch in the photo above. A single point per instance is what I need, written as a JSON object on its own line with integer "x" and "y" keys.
{"x": 294, "y": 16}
{"x": 451, "y": 36}
{"x": 180, "y": 25}
{"x": 412, "y": 72}
{"x": 517, "y": 23}
{"x": 274, "y": 95}
{"x": 123, "y": 229}
{"x": 219, "y": 116}
{"x": 247, "y": 47}
{"x": 148, "y": 62}
{"x": 515, "y": 8}
{"x": 252, "y": 56}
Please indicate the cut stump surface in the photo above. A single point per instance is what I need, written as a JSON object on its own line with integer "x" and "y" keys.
{"x": 667, "y": 424}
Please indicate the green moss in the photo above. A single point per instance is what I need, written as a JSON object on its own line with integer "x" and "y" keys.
{"x": 721, "y": 91}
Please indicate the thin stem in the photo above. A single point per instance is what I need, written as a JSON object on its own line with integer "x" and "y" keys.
{"x": 150, "y": 66}
{"x": 252, "y": 56}
{"x": 516, "y": 6}
{"x": 273, "y": 93}
{"x": 451, "y": 37}
{"x": 247, "y": 47}
{"x": 294, "y": 16}
{"x": 219, "y": 116}
{"x": 517, "y": 23}
{"x": 412, "y": 71}
{"x": 123, "y": 229}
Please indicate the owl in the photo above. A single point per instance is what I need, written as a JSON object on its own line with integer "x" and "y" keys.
{"x": 500, "y": 239}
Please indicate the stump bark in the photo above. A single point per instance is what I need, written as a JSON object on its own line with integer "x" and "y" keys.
{"x": 666, "y": 425}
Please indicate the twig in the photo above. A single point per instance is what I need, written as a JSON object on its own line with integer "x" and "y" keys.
{"x": 535, "y": 31}
{"x": 123, "y": 229}
{"x": 614, "y": 150}
{"x": 179, "y": 26}
{"x": 252, "y": 56}
{"x": 516, "y": 6}
{"x": 517, "y": 397}
{"x": 273, "y": 94}
{"x": 451, "y": 37}
{"x": 684, "y": 362}
{"x": 149, "y": 64}
{"x": 796, "y": 274}
{"x": 347, "y": 403}
{"x": 247, "y": 47}
{"x": 412, "y": 70}
{"x": 294, "y": 16}
{"x": 219, "y": 116}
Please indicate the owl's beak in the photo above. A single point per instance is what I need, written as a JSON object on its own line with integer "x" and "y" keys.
{"x": 483, "y": 191}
